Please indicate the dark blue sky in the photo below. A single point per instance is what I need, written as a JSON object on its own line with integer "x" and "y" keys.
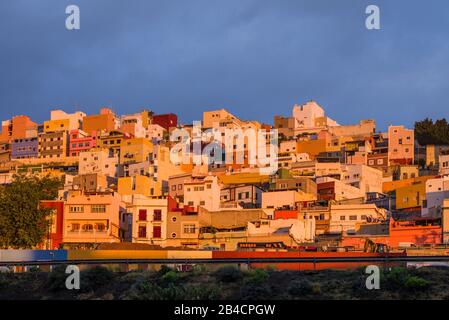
{"x": 255, "y": 58}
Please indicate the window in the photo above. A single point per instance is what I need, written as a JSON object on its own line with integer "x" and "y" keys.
{"x": 75, "y": 227}
{"x": 342, "y": 218}
{"x": 98, "y": 208}
{"x": 173, "y": 188}
{"x": 354, "y": 217}
{"x": 179, "y": 186}
{"x": 173, "y": 235}
{"x": 190, "y": 229}
{"x": 142, "y": 231}
{"x": 202, "y": 203}
{"x": 208, "y": 186}
{"x": 156, "y": 232}
{"x": 88, "y": 228}
{"x": 75, "y": 209}
{"x": 100, "y": 227}
{"x": 173, "y": 219}
{"x": 142, "y": 215}
{"x": 190, "y": 203}
{"x": 157, "y": 215}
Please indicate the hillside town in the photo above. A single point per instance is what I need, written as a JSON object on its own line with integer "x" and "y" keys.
{"x": 332, "y": 186}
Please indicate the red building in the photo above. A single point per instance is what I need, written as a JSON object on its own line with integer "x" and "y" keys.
{"x": 80, "y": 141}
{"x": 55, "y": 229}
{"x": 166, "y": 121}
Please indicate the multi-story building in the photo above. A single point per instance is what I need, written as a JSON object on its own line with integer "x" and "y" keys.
{"x": 176, "y": 186}
{"x": 53, "y": 145}
{"x": 401, "y": 145}
{"x": 24, "y": 148}
{"x": 98, "y": 161}
{"x": 75, "y": 120}
{"x": 149, "y": 219}
{"x": 166, "y": 121}
{"x": 345, "y": 218}
{"x": 112, "y": 141}
{"x": 139, "y": 184}
{"x": 18, "y": 127}
{"x": 133, "y": 124}
{"x": 245, "y": 196}
{"x": 202, "y": 192}
{"x": 80, "y": 141}
{"x": 437, "y": 190}
{"x": 311, "y": 117}
{"x": 136, "y": 150}
{"x": 91, "y": 182}
{"x": 333, "y": 189}
{"x": 54, "y": 235}
{"x": 219, "y": 118}
{"x": 56, "y": 125}
{"x": 105, "y": 121}
{"x": 444, "y": 164}
{"x": 91, "y": 218}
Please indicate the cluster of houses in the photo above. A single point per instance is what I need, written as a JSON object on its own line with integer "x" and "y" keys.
{"x": 333, "y": 184}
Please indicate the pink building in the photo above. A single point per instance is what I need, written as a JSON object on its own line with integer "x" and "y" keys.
{"x": 80, "y": 141}
{"x": 401, "y": 144}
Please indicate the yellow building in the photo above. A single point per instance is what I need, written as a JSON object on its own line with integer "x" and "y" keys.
{"x": 390, "y": 186}
{"x": 143, "y": 185}
{"x": 56, "y": 125}
{"x": 410, "y": 196}
{"x": 135, "y": 150}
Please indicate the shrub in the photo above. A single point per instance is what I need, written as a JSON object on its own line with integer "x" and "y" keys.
{"x": 164, "y": 269}
{"x": 257, "y": 276}
{"x": 397, "y": 277}
{"x": 95, "y": 278}
{"x": 299, "y": 287}
{"x": 415, "y": 283}
{"x": 228, "y": 274}
{"x": 170, "y": 277}
{"x": 255, "y": 291}
{"x": 56, "y": 278}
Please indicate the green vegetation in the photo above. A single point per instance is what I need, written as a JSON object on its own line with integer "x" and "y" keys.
{"x": 227, "y": 283}
{"x": 22, "y": 223}
{"x": 429, "y": 132}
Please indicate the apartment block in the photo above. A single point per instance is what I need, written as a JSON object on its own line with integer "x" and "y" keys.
{"x": 80, "y": 141}
{"x": 91, "y": 218}
{"x": 106, "y": 121}
{"x": 75, "y": 120}
{"x": 24, "y": 148}
{"x": 401, "y": 145}
{"x": 98, "y": 161}
{"x": 149, "y": 219}
{"x": 53, "y": 145}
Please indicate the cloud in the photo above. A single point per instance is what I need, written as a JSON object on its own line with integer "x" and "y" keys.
{"x": 254, "y": 57}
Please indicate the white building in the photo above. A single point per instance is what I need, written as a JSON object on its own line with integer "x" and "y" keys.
{"x": 437, "y": 190}
{"x": 75, "y": 119}
{"x": 202, "y": 192}
{"x": 98, "y": 161}
{"x": 444, "y": 164}
{"x": 149, "y": 219}
{"x": 345, "y": 218}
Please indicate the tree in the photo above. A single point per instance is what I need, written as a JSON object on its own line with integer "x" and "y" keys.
{"x": 428, "y": 132}
{"x": 23, "y": 224}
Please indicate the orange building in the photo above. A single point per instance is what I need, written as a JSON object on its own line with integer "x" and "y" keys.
{"x": 105, "y": 121}
{"x": 311, "y": 147}
{"x": 18, "y": 127}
